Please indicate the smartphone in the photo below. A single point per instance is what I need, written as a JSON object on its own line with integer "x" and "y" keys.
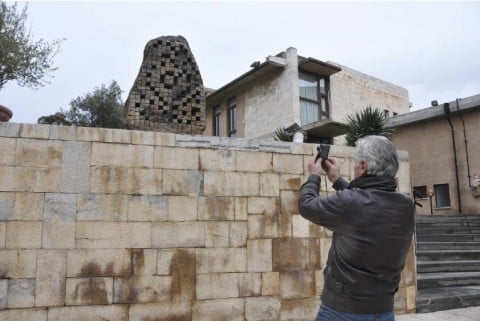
{"x": 322, "y": 151}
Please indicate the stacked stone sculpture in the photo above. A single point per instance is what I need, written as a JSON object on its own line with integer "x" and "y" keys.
{"x": 168, "y": 94}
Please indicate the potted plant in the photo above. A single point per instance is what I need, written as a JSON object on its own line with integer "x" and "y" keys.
{"x": 5, "y": 114}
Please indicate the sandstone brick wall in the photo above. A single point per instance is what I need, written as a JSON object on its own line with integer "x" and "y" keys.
{"x": 103, "y": 224}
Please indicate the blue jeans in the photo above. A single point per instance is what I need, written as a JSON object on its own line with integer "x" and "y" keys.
{"x": 328, "y": 314}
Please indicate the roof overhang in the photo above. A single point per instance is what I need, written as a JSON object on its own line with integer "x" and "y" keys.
{"x": 317, "y": 67}
{"x": 271, "y": 66}
{"x": 325, "y": 128}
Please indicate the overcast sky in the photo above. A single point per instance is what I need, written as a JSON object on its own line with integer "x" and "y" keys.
{"x": 430, "y": 48}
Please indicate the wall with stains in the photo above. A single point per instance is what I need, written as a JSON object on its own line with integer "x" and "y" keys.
{"x": 103, "y": 224}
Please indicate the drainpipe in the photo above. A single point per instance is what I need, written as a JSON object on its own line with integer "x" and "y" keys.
{"x": 446, "y": 109}
{"x": 466, "y": 145}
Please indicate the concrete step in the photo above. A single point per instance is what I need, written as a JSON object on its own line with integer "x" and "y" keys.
{"x": 448, "y": 245}
{"x": 448, "y": 230}
{"x": 475, "y": 223}
{"x": 438, "y": 299}
{"x": 443, "y": 255}
{"x": 446, "y": 279}
{"x": 446, "y": 218}
{"x": 448, "y": 238}
{"x": 448, "y": 266}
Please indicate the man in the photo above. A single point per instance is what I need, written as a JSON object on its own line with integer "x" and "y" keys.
{"x": 372, "y": 228}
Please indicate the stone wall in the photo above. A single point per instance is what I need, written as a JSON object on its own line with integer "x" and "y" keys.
{"x": 103, "y": 224}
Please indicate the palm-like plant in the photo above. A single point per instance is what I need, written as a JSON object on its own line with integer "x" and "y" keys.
{"x": 283, "y": 135}
{"x": 370, "y": 121}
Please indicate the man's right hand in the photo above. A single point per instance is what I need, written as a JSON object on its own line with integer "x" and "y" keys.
{"x": 331, "y": 169}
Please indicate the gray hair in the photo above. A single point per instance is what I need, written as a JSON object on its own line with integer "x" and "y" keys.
{"x": 379, "y": 153}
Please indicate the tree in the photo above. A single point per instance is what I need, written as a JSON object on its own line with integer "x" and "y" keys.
{"x": 103, "y": 107}
{"x": 21, "y": 58}
{"x": 370, "y": 121}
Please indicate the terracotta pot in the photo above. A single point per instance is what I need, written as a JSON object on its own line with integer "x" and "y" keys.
{"x": 5, "y": 114}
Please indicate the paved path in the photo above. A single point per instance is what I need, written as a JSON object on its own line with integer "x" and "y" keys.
{"x": 464, "y": 314}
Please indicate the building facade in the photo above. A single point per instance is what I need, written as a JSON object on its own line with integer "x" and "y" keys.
{"x": 290, "y": 89}
{"x": 444, "y": 153}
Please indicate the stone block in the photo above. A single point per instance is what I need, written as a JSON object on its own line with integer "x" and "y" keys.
{"x": 221, "y": 260}
{"x": 121, "y": 136}
{"x": 27, "y": 206}
{"x": 253, "y": 162}
{"x": 122, "y": 155}
{"x": 144, "y": 261}
{"x": 113, "y": 235}
{"x": 140, "y": 137}
{"x": 289, "y": 202}
{"x": 319, "y": 282}
{"x": 181, "y": 311}
{"x": 76, "y": 167}
{"x": 299, "y": 309}
{"x": 18, "y": 264}
{"x": 217, "y": 160}
{"x": 238, "y": 234}
{"x": 217, "y": 234}
{"x": 288, "y": 164}
{"x": 285, "y": 225}
{"x": 9, "y": 129}
{"x": 242, "y": 184}
{"x": 89, "y": 312}
{"x": 325, "y": 244}
{"x": 217, "y": 286}
{"x": 271, "y": 284}
{"x": 142, "y": 289}
{"x": 300, "y": 226}
{"x": 50, "y": 281}
{"x": 47, "y": 180}
{"x": 314, "y": 250}
{"x": 90, "y": 134}
{"x": 182, "y": 182}
{"x": 216, "y": 208}
{"x": 60, "y": 207}
{"x": 263, "y": 205}
{"x": 58, "y": 132}
{"x": 178, "y": 234}
{"x": 3, "y": 294}
{"x": 261, "y": 227}
{"x": 24, "y": 235}
{"x": 219, "y": 310}
{"x": 34, "y": 131}
{"x": 7, "y": 150}
{"x": 89, "y": 291}
{"x": 213, "y": 183}
{"x": 38, "y": 153}
{"x": 176, "y": 158}
{"x": 123, "y": 180}
{"x": 3, "y": 234}
{"x": 28, "y": 179}
{"x": 7, "y": 206}
{"x": 164, "y": 261}
{"x": 400, "y": 300}
{"x": 289, "y": 254}
{"x": 264, "y": 309}
{"x": 259, "y": 255}
{"x": 102, "y": 207}
{"x": 241, "y": 205}
{"x": 410, "y": 269}
{"x": 297, "y": 284}
{"x": 411, "y": 294}
{"x": 289, "y": 182}
{"x": 58, "y": 234}
{"x": 24, "y": 315}
{"x": 99, "y": 262}
{"x": 21, "y": 293}
{"x": 250, "y": 284}
{"x": 182, "y": 208}
{"x": 147, "y": 208}
{"x": 270, "y": 185}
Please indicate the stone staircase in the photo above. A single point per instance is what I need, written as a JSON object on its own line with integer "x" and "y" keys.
{"x": 448, "y": 262}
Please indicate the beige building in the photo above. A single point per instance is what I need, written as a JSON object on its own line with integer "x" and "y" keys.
{"x": 444, "y": 152}
{"x": 289, "y": 89}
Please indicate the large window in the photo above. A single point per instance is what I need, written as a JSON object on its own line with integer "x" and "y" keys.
{"x": 232, "y": 117}
{"x": 216, "y": 121}
{"x": 420, "y": 191}
{"x": 442, "y": 195}
{"x": 313, "y": 98}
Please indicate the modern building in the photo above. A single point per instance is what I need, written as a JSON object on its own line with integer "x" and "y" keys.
{"x": 444, "y": 152}
{"x": 288, "y": 89}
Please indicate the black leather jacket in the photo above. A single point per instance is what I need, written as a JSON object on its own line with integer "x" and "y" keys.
{"x": 372, "y": 228}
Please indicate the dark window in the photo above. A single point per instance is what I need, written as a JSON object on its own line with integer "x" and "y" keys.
{"x": 442, "y": 195}
{"x": 313, "y": 98}
{"x": 420, "y": 191}
{"x": 232, "y": 117}
{"x": 395, "y": 114}
{"x": 387, "y": 113}
{"x": 216, "y": 121}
